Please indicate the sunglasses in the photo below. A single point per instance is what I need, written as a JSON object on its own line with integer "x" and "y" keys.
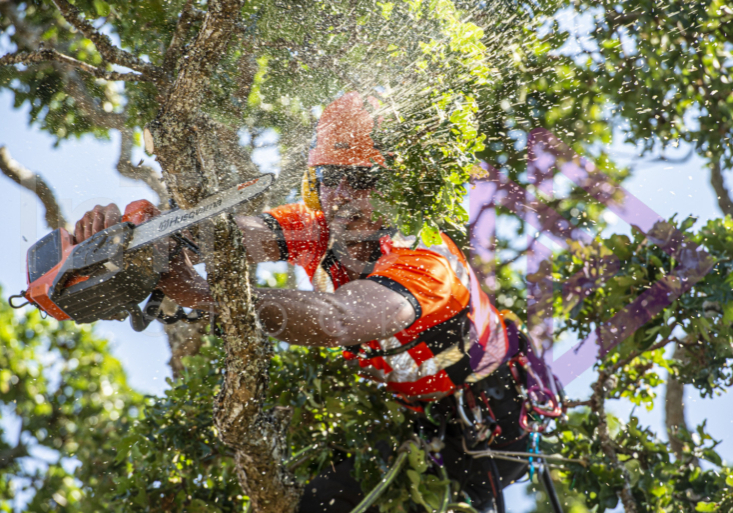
{"x": 358, "y": 178}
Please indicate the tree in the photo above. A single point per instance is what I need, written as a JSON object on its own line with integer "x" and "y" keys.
{"x": 189, "y": 77}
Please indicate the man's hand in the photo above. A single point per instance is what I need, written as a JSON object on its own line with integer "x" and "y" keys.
{"x": 181, "y": 283}
{"x": 96, "y": 220}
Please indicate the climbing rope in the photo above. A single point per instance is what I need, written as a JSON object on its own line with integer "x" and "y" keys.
{"x": 390, "y": 476}
{"x": 519, "y": 456}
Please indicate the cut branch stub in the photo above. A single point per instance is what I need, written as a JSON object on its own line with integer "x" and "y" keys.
{"x": 149, "y": 143}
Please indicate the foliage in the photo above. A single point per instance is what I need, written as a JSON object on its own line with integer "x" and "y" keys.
{"x": 171, "y": 458}
{"x": 659, "y": 483}
{"x": 72, "y": 403}
{"x": 340, "y": 415}
{"x": 666, "y": 69}
{"x": 632, "y": 370}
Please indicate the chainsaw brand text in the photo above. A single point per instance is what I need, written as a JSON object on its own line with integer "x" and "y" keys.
{"x": 188, "y": 216}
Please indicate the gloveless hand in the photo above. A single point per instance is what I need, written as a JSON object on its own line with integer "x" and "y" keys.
{"x": 181, "y": 282}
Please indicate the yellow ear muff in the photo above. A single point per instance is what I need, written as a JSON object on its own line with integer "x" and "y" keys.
{"x": 309, "y": 189}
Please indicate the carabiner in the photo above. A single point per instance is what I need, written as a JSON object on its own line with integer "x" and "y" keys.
{"x": 548, "y": 407}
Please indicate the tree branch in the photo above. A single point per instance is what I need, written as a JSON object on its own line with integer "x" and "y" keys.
{"x": 597, "y": 403}
{"x": 143, "y": 173}
{"x": 615, "y": 18}
{"x": 176, "y": 46}
{"x": 105, "y": 47}
{"x": 578, "y": 403}
{"x": 173, "y": 131}
{"x": 674, "y": 407}
{"x": 34, "y": 183}
{"x": 721, "y": 191}
{"x": 49, "y": 55}
{"x": 257, "y": 436}
{"x": 635, "y": 354}
{"x": 204, "y": 54}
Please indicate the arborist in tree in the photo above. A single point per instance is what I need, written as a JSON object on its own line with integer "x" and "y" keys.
{"x": 409, "y": 316}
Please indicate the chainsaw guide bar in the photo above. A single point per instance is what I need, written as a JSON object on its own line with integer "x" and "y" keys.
{"x": 176, "y": 220}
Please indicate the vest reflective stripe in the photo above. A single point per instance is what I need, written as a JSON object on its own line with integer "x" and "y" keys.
{"x": 462, "y": 336}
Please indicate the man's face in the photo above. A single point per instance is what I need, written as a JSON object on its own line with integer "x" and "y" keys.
{"x": 348, "y": 210}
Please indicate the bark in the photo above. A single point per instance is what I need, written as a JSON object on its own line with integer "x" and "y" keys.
{"x": 674, "y": 407}
{"x": 257, "y": 436}
{"x": 674, "y": 413}
{"x": 717, "y": 181}
{"x": 200, "y": 157}
{"x": 34, "y": 183}
{"x": 178, "y": 41}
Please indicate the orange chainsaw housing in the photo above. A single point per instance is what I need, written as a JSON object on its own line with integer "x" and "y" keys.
{"x": 39, "y": 289}
{"x": 37, "y": 292}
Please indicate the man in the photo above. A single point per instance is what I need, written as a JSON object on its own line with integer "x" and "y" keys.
{"x": 414, "y": 319}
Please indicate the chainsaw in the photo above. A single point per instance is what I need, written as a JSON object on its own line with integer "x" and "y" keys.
{"x": 107, "y": 275}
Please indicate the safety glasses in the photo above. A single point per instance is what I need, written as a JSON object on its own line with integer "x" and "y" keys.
{"x": 358, "y": 178}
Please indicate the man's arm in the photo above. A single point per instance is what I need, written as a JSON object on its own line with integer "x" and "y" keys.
{"x": 259, "y": 241}
{"x": 357, "y": 312}
{"x": 187, "y": 288}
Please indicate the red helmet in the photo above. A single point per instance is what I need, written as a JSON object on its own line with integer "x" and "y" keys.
{"x": 343, "y": 135}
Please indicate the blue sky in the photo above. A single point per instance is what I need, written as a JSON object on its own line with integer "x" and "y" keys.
{"x": 82, "y": 174}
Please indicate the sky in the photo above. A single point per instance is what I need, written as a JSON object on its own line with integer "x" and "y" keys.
{"x": 82, "y": 174}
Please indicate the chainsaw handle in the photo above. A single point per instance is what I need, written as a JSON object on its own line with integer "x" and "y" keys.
{"x": 139, "y": 211}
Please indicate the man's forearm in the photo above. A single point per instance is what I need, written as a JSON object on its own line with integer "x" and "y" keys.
{"x": 302, "y": 317}
{"x": 185, "y": 286}
{"x": 297, "y": 317}
{"x": 358, "y": 312}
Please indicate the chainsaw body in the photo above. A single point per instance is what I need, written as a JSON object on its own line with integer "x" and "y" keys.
{"x": 93, "y": 280}
{"x": 107, "y": 275}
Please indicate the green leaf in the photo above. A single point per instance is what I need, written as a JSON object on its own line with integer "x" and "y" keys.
{"x": 101, "y": 7}
{"x": 430, "y": 236}
{"x": 417, "y": 460}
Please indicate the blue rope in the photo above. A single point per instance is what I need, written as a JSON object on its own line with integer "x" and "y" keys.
{"x": 534, "y": 447}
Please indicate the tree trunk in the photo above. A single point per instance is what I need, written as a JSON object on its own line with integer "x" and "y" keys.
{"x": 204, "y": 166}
{"x": 201, "y": 157}
{"x": 674, "y": 408}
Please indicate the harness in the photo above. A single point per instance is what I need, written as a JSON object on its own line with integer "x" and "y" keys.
{"x": 515, "y": 402}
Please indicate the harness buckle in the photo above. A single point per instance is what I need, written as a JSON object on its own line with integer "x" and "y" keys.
{"x": 478, "y": 427}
